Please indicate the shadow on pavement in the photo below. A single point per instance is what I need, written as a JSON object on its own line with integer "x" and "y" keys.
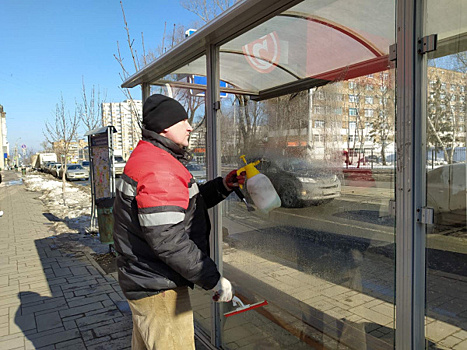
{"x": 73, "y": 304}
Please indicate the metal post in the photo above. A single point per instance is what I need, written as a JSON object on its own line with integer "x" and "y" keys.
{"x": 93, "y": 190}
{"x": 110, "y": 146}
{"x": 410, "y": 177}
{"x": 146, "y": 91}
{"x": 213, "y": 170}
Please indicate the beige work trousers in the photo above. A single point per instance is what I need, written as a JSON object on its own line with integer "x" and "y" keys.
{"x": 163, "y": 321}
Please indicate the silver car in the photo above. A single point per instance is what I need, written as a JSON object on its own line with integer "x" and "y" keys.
{"x": 198, "y": 171}
{"x": 75, "y": 172}
{"x": 298, "y": 181}
{"x": 55, "y": 169}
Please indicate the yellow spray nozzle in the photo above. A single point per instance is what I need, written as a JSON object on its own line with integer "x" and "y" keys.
{"x": 249, "y": 168}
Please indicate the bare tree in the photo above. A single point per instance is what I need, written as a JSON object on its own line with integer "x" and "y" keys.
{"x": 61, "y": 132}
{"x": 250, "y": 115}
{"x": 207, "y": 10}
{"x": 89, "y": 110}
{"x": 356, "y": 102}
{"x": 46, "y": 146}
{"x": 382, "y": 131}
{"x": 140, "y": 60}
{"x": 442, "y": 121}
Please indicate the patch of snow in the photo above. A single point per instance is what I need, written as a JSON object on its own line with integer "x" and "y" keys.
{"x": 75, "y": 212}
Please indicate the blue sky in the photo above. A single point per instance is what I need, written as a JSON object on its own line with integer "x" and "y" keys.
{"x": 48, "y": 47}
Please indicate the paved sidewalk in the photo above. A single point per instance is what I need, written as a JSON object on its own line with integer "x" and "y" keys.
{"x": 52, "y": 293}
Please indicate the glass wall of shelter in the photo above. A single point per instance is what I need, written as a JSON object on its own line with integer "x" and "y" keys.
{"x": 360, "y": 127}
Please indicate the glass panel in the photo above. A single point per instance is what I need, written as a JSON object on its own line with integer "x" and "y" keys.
{"x": 324, "y": 260}
{"x": 194, "y": 103}
{"x": 446, "y": 244}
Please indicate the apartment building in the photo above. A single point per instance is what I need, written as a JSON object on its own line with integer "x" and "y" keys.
{"x": 354, "y": 116}
{"x": 126, "y": 117}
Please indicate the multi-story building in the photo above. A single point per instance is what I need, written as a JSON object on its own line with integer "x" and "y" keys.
{"x": 4, "y": 148}
{"x": 353, "y": 117}
{"x": 197, "y": 143}
{"x": 126, "y": 117}
{"x": 75, "y": 150}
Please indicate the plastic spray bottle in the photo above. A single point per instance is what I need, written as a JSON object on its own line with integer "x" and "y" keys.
{"x": 260, "y": 187}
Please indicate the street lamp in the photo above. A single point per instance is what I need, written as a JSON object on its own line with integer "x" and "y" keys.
{"x": 16, "y": 151}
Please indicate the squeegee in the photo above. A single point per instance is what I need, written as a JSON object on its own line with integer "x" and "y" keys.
{"x": 242, "y": 307}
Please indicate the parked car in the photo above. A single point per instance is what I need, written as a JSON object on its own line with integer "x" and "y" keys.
{"x": 55, "y": 169}
{"x": 446, "y": 193}
{"x": 198, "y": 171}
{"x": 372, "y": 159}
{"x": 75, "y": 172}
{"x": 85, "y": 164}
{"x": 298, "y": 181}
{"x": 119, "y": 165}
{"x": 46, "y": 167}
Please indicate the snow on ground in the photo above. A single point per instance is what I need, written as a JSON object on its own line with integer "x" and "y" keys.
{"x": 74, "y": 214}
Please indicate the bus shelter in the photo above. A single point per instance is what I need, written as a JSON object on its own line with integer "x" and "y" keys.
{"x": 311, "y": 88}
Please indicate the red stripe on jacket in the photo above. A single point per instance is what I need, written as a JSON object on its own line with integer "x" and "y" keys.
{"x": 162, "y": 179}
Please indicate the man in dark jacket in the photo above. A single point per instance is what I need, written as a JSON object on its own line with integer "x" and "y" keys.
{"x": 161, "y": 230}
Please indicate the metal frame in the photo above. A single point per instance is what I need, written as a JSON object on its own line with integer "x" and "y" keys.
{"x": 410, "y": 177}
{"x": 213, "y": 167}
{"x": 238, "y": 19}
{"x": 183, "y": 85}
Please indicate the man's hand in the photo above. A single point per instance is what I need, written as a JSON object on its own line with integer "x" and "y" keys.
{"x": 232, "y": 180}
{"x": 222, "y": 291}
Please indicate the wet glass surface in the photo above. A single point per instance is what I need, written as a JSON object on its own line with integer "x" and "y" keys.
{"x": 446, "y": 263}
{"x": 325, "y": 259}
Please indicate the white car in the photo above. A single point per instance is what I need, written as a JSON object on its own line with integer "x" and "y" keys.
{"x": 55, "y": 169}
{"x": 198, "y": 171}
{"x": 119, "y": 165}
{"x": 75, "y": 172}
{"x": 446, "y": 193}
{"x": 85, "y": 164}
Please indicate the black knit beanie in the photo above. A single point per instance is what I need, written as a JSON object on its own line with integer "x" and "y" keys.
{"x": 161, "y": 112}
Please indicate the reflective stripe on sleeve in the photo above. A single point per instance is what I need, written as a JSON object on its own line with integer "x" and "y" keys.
{"x": 126, "y": 188}
{"x": 162, "y": 218}
{"x": 193, "y": 190}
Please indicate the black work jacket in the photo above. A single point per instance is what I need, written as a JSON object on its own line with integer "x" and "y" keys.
{"x": 161, "y": 223}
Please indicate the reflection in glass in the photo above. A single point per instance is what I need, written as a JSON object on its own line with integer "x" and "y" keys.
{"x": 324, "y": 261}
{"x": 446, "y": 247}
{"x": 194, "y": 103}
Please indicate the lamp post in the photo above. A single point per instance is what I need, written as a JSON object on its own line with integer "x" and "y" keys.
{"x": 16, "y": 152}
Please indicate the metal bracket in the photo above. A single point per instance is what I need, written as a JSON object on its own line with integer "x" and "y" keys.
{"x": 393, "y": 52}
{"x": 216, "y": 105}
{"x": 427, "y": 44}
{"x": 426, "y": 216}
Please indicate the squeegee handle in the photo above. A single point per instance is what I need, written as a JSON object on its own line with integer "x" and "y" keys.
{"x": 239, "y": 193}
